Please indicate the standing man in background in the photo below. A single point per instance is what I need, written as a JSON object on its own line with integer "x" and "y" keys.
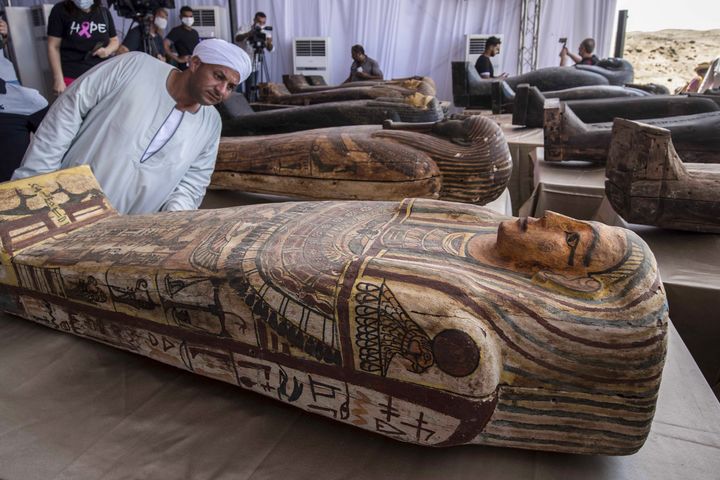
{"x": 81, "y": 34}
{"x": 133, "y": 41}
{"x": 363, "y": 67}
{"x": 483, "y": 65}
{"x": 183, "y": 38}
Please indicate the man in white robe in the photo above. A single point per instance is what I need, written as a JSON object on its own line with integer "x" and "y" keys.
{"x": 148, "y": 131}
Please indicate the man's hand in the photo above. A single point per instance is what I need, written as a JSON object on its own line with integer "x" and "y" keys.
{"x": 563, "y": 52}
{"x": 3, "y": 28}
{"x": 504, "y": 75}
{"x": 59, "y": 86}
{"x": 102, "y": 52}
{"x": 363, "y": 75}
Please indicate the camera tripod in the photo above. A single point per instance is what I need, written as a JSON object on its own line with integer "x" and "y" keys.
{"x": 258, "y": 75}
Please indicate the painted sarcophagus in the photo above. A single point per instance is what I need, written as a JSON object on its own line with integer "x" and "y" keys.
{"x": 300, "y": 84}
{"x": 418, "y": 91}
{"x": 566, "y": 137}
{"x": 459, "y": 160}
{"x": 425, "y": 321}
{"x": 648, "y": 183}
{"x": 240, "y": 120}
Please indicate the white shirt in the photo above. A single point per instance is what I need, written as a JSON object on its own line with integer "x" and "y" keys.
{"x": 108, "y": 119}
{"x": 166, "y": 131}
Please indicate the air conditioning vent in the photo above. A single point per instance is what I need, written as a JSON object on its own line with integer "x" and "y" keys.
{"x": 204, "y": 18}
{"x": 38, "y": 17}
{"x": 310, "y": 48}
{"x": 476, "y": 46}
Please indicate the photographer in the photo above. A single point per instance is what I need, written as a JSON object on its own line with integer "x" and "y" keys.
{"x": 585, "y": 55}
{"x": 254, "y": 38}
{"x": 134, "y": 41}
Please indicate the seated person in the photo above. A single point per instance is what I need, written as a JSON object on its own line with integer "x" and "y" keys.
{"x": 585, "y": 55}
{"x": 133, "y": 41}
{"x": 483, "y": 65}
{"x": 21, "y": 111}
{"x": 363, "y": 67}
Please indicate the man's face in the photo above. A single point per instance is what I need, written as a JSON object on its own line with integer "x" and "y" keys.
{"x": 186, "y": 15}
{"x": 211, "y": 84}
{"x": 557, "y": 242}
{"x": 161, "y": 14}
{"x": 494, "y": 50}
{"x": 260, "y": 21}
{"x": 357, "y": 56}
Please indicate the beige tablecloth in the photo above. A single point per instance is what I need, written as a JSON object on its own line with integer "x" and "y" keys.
{"x": 74, "y": 409}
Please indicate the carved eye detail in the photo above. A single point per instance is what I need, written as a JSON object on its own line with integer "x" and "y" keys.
{"x": 572, "y": 239}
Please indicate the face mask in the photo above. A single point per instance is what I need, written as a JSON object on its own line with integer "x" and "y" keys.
{"x": 161, "y": 23}
{"x": 83, "y": 4}
{"x": 188, "y": 21}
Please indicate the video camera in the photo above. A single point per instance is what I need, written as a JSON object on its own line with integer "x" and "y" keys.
{"x": 139, "y": 8}
{"x": 258, "y": 37}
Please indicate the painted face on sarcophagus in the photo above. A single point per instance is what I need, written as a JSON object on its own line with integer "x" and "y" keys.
{"x": 557, "y": 242}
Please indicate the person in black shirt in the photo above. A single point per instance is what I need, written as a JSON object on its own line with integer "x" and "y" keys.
{"x": 183, "y": 38}
{"x": 585, "y": 55}
{"x": 133, "y": 41}
{"x": 81, "y": 34}
{"x": 483, "y": 65}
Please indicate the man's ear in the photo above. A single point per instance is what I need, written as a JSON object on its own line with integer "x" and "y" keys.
{"x": 194, "y": 63}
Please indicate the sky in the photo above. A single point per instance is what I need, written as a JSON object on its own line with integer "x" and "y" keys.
{"x": 652, "y": 15}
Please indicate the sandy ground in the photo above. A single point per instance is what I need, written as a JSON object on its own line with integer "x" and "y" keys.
{"x": 668, "y": 57}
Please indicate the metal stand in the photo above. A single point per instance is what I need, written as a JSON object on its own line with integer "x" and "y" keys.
{"x": 260, "y": 74}
{"x": 529, "y": 33}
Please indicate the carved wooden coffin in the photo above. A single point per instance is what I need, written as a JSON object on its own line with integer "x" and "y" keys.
{"x": 244, "y": 121}
{"x": 648, "y": 183}
{"x": 529, "y": 102}
{"x": 469, "y": 90}
{"x": 300, "y": 84}
{"x": 696, "y": 137}
{"x": 418, "y": 92}
{"x": 459, "y": 160}
{"x": 428, "y": 322}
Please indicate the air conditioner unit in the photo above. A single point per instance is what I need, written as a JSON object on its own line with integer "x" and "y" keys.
{"x": 29, "y": 46}
{"x": 212, "y": 22}
{"x": 475, "y": 46}
{"x": 311, "y": 56}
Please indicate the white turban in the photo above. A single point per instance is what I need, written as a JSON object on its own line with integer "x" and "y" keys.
{"x": 219, "y": 52}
